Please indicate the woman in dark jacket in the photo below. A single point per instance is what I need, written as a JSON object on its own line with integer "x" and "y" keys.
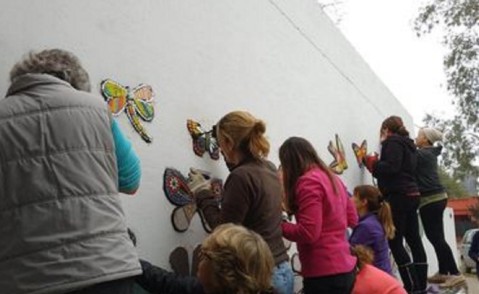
{"x": 396, "y": 175}
{"x": 433, "y": 204}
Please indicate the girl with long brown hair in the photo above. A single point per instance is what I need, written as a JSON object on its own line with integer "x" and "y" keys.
{"x": 322, "y": 208}
{"x": 375, "y": 225}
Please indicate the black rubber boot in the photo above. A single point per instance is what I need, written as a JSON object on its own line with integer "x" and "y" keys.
{"x": 420, "y": 286}
{"x": 408, "y": 277}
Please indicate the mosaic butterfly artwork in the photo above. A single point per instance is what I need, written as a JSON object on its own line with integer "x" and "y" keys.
{"x": 180, "y": 263}
{"x": 360, "y": 152}
{"x": 175, "y": 186}
{"x": 203, "y": 141}
{"x": 136, "y": 102}
{"x": 337, "y": 150}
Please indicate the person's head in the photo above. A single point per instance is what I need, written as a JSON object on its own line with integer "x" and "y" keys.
{"x": 235, "y": 260}
{"x": 241, "y": 135}
{"x": 297, "y": 156}
{"x": 369, "y": 199}
{"x": 56, "y": 62}
{"x": 364, "y": 254}
{"x": 393, "y": 125}
{"x": 427, "y": 137}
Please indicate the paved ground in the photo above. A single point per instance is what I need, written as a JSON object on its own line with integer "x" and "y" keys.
{"x": 472, "y": 283}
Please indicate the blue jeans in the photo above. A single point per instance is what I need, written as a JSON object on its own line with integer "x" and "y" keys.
{"x": 283, "y": 278}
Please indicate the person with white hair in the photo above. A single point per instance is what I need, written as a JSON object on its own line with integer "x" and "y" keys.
{"x": 432, "y": 205}
{"x": 63, "y": 163}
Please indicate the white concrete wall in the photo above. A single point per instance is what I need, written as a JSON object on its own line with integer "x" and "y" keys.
{"x": 284, "y": 61}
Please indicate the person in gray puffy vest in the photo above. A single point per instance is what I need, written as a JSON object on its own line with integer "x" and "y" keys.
{"x": 63, "y": 162}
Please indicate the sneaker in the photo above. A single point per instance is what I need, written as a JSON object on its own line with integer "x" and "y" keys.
{"x": 453, "y": 280}
{"x": 437, "y": 278}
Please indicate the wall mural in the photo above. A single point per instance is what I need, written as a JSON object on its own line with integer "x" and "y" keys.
{"x": 339, "y": 163}
{"x": 360, "y": 152}
{"x": 175, "y": 186}
{"x": 136, "y": 102}
{"x": 203, "y": 141}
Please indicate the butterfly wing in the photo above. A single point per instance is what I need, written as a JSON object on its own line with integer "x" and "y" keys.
{"x": 339, "y": 163}
{"x": 143, "y": 98}
{"x": 181, "y": 217}
{"x": 198, "y": 136}
{"x": 115, "y": 95}
{"x": 179, "y": 261}
{"x": 195, "y": 260}
{"x": 135, "y": 122}
{"x": 217, "y": 191}
{"x": 176, "y": 188}
{"x": 334, "y": 165}
{"x": 295, "y": 263}
{"x": 212, "y": 145}
{"x": 217, "y": 188}
{"x": 341, "y": 153}
{"x": 360, "y": 152}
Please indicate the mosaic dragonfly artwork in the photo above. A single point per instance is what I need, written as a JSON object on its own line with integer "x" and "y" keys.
{"x": 203, "y": 141}
{"x": 337, "y": 150}
{"x": 137, "y": 103}
{"x": 175, "y": 186}
{"x": 360, "y": 151}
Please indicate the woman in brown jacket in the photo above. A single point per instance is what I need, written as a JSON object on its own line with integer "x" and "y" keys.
{"x": 252, "y": 191}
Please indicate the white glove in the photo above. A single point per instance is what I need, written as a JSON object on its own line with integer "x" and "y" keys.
{"x": 197, "y": 181}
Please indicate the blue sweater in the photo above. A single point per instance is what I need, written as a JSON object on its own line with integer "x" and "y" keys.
{"x": 129, "y": 171}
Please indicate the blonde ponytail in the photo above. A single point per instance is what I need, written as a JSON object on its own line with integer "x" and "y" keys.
{"x": 386, "y": 218}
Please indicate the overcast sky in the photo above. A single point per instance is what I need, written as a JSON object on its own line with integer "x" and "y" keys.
{"x": 411, "y": 67}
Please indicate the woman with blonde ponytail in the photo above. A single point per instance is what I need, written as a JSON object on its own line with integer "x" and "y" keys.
{"x": 375, "y": 226}
{"x": 252, "y": 191}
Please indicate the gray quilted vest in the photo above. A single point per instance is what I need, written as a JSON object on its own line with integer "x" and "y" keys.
{"x": 62, "y": 226}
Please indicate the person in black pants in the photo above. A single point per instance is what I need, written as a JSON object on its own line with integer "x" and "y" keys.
{"x": 474, "y": 251}
{"x": 396, "y": 175}
{"x": 433, "y": 203}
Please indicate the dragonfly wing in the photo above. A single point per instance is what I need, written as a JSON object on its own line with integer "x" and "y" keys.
{"x": 143, "y": 92}
{"x": 143, "y": 98}
{"x": 144, "y": 109}
{"x": 115, "y": 95}
{"x": 135, "y": 122}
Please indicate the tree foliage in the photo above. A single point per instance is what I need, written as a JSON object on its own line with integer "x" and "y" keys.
{"x": 333, "y": 9}
{"x": 461, "y": 147}
{"x": 458, "y": 22}
{"x": 453, "y": 185}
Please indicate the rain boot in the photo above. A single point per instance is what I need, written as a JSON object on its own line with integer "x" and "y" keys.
{"x": 408, "y": 277}
{"x": 420, "y": 286}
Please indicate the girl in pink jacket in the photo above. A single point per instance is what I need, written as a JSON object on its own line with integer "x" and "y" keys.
{"x": 323, "y": 210}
